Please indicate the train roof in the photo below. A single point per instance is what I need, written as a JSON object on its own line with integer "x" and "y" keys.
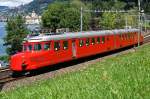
{"x": 70, "y": 35}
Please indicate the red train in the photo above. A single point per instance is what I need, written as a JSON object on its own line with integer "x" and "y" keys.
{"x": 46, "y": 50}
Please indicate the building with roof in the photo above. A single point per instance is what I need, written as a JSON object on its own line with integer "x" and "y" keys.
{"x": 33, "y": 18}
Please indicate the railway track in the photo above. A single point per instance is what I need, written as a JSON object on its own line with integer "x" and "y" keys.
{"x": 6, "y": 79}
{"x": 5, "y": 73}
{"x": 4, "y": 69}
{"x": 9, "y": 79}
{"x": 147, "y": 38}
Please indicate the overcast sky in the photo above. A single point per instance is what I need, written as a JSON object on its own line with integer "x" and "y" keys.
{"x": 13, "y": 3}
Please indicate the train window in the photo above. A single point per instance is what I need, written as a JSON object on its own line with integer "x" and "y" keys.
{"x": 132, "y": 35}
{"x": 24, "y": 48}
{"x": 87, "y": 42}
{"x": 98, "y": 40}
{"x": 129, "y": 35}
{"x": 121, "y": 36}
{"x": 65, "y": 45}
{"x": 29, "y": 47}
{"x": 107, "y": 38}
{"x": 124, "y": 36}
{"x": 37, "y": 47}
{"x": 103, "y": 39}
{"x": 57, "y": 46}
{"x": 93, "y": 40}
{"x": 47, "y": 46}
{"x": 81, "y": 43}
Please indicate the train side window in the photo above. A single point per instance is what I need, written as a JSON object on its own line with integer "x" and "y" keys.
{"x": 47, "y": 46}
{"x": 93, "y": 40}
{"x": 107, "y": 38}
{"x": 129, "y": 35}
{"x": 103, "y": 40}
{"x": 81, "y": 43}
{"x": 132, "y": 35}
{"x": 56, "y": 46}
{"x": 98, "y": 40}
{"x": 65, "y": 45}
{"x": 121, "y": 36}
{"x": 87, "y": 42}
{"x": 124, "y": 36}
{"x": 37, "y": 47}
{"x": 29, "y": 47}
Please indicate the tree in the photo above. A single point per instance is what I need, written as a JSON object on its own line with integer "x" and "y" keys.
{"x": 16, "y": 32}
{"x": 112, "y": 21}
{"x": 60, "y": 15}
{"x": 52, "y": 16}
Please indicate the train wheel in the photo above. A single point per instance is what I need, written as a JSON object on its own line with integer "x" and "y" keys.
{"x": 33, "y": 72}
{"x": 17, "y": 74}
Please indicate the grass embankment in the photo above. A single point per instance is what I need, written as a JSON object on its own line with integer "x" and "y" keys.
{"x": 122, "y": 77}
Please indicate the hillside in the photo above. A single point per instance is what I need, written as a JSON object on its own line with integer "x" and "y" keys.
{"x": 37, "y": 5}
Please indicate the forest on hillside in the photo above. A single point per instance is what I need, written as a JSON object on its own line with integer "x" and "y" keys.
{"x": 40, "y": 5}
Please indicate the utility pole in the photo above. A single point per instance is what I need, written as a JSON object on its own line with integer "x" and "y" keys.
{"x": 96, "y": 11}
{"x": 126, "y": 22}
{"x": 139, "y": 4}
{"x": 81, "y": 20}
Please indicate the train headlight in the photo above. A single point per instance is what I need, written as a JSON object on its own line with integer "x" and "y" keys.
{"x": 24, "y": 65}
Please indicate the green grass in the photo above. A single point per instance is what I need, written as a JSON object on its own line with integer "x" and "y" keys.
{"x": 122, "y": 77}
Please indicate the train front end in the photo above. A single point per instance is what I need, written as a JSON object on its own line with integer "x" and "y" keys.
{"x": 19, "y": 62}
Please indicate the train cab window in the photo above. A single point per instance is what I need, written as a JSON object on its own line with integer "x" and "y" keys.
{"x": 103, "y": 40}
{"x": 87, "y": 42}
{"x": 81, "y": 43}
{"x": 57, "y": 46}
{"x": 29, "y": 48}
{"x": 93, "y": 41}
{"x": 47, "y": 46}
{"x": 37, "y": 47}
{"x": 65, "y": 45}
{"x": 98, "y": 40}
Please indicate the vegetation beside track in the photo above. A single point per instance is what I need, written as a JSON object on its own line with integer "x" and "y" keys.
{"x": 4, "y": 58}
{"x": 124, "y": 76}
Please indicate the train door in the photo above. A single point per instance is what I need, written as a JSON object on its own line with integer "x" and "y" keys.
{"x": 73, "y": 49}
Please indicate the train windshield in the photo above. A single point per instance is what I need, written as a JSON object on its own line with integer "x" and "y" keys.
{"x": 27, "y": 47}
{"x": 24, "y": 48}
